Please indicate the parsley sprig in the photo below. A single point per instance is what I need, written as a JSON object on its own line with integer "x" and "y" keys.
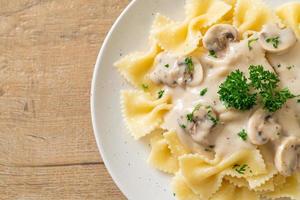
{"x": 266, "y": 83}
{"x": 235, "y": 91}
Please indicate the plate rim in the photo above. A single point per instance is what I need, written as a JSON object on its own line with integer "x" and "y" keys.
{"x": 96, "y": 71}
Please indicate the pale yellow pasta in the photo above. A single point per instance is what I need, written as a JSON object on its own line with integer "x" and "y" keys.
{"x": 135, "y": 66}
{"x": 230, "y": 192}
{"x": 197, "y": 177}
{"x": 252, "y": 15}
{"x": 268, "y": 186}
{"x": 214, "y": 9}
{"x": 290, "y": 189}
{"x": 184, "y": 37}
{"x": 142, "y": 112}
{"x": 259, "y": 180}
{"x": 205, "y": 178}
{"x": 174, "y": 144}
{"x": 181, "y": 189}
{"x": 161, "y": 156}
{"x": 236, "y": 181}
{"x": 290, "y": 15}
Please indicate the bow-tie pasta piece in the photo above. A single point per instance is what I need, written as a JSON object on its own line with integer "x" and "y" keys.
{"x": 135, "y": 66}
{"x": 184, "y": 37}
{"x": 205, "y": 178}
{"x": 174, "y": 144}
{"x": 230, "y": 192}
{"x": 259, "y": 180}
{"x": 290, "y": 15}
{"x": 289, "y": 189}
{"x": 252, "y": 15}
{"x": 142, "y": 112}
{"x": 181, "y": 189}
{"x": 161, "y": 156}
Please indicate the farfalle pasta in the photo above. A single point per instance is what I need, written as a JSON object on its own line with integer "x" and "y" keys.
{"x": 216, "y": 94}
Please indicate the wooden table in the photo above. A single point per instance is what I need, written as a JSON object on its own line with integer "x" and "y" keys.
{"x": 48, "y": 49}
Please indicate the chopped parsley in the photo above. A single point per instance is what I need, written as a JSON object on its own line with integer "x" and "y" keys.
{"x": 212, "y": 53}
{"x": 235, "y": 92}
{"x": 174, "y": 194}
{"x": 241, "y": 169}
{"x": 182, "y": 126}
{"x": 215, "y": 120}
{"x": 298, "y": 101}
{"x": 250, "y": 43}
{"x": 189, "y": 117}
{"x": 167, "y": 65}
{"x": 203, "y": 92}
{"x": 189, "y": 64}
{"x": 145, "y": 86}
{"x": 160, "y": 94}
{"x": 274, "y": 41}
{"x": 243, "y": 135}
{"x": 266, "y": 83}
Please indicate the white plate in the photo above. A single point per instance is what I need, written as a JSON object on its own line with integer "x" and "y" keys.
{"x": 124, "y": 157}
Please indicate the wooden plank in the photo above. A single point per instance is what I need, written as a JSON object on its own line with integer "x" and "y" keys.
{"x": 47, "y": 55}
{"x": 60, "y": 182}
{"x": 48, "y": 50}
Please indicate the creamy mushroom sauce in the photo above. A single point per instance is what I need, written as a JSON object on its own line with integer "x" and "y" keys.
{"x": 222, "y": 139}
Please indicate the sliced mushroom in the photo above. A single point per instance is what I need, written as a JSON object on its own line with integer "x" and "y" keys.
{"x": 199, "y": 123}
{"x": 218, "y": 37}
{"x": 262, "y": 127}
{"x": 172, "y": 70}
{"x": 287, "y": 156}
{"x": 276, "y": 40}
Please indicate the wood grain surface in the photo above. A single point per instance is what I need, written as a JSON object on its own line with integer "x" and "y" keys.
{"x": 47, "y": 55}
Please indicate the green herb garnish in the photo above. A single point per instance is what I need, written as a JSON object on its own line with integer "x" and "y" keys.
{"x": 274, "y": 41}
{"x": 183, "y": 126}
{"x": 266, "y": 83}
{"x": 298, "y": 101}
{"x": 203, "y": 92}
{"x": 189, "y": 64}
{"x": 235, "y": 92}
{"x": 160, "y": 94}
{"x": 215, "y": 120}
{"x": 243, "y": 135}
{"x": 167, "y": 65}
{"x": 250, "y": 43}
{"x": 189, "y": 117}
{"x": 212, "y": 53}
{"x": 241, "y": 169}
{"x": 145, "y": 87}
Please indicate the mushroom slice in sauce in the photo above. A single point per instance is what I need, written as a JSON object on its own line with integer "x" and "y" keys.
{"x": 287, "y": 156}
{"x": 172, "y": 70}
{"x": 218, "y": 37}
{"x": 262, "y": 127}
{"x": 276, "y": 40}
{"x": 199, "y": 123}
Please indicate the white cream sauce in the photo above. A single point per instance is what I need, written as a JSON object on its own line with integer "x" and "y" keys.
{"x": 223, "y": 138}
